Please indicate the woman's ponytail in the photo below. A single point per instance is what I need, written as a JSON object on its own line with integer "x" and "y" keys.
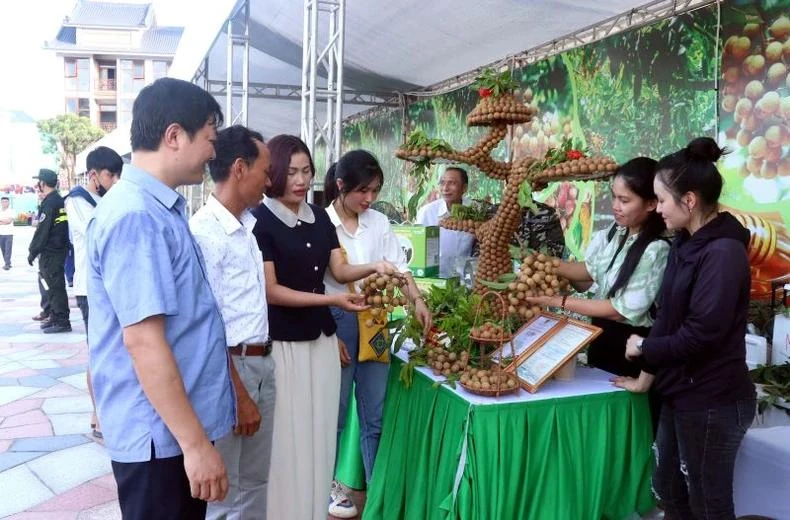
{"x": 330, "y": 185}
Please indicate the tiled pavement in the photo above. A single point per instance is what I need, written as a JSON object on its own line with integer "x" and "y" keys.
{"x": 50, "y": 466}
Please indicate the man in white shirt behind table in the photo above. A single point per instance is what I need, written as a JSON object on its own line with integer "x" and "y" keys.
{"x": 234, "y": 268}
{"x": 452, "y": 244}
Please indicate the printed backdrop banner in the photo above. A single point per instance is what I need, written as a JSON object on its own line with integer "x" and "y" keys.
{"x": 645, "y": 92}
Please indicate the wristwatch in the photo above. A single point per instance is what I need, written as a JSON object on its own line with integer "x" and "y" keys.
{"x": 639, "y": 344}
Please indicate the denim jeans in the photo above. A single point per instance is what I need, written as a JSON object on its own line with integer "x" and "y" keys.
{"x": 696, "y": 459}
{"x": 371, "y": 387}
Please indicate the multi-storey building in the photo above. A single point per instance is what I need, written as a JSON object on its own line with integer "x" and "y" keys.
{"x": 109, "y": 51}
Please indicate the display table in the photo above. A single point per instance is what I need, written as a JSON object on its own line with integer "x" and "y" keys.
{"x": 762, "y": 473}
{"x": 579, "y": 449}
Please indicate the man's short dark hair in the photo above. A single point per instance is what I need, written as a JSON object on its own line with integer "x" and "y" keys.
{"x": 235, "y": 142}
{"x": 461, "y": 172}
{"x": 5, "y": 198}
{"x": 167, "y": 101}
{"x": 103, "y": 158}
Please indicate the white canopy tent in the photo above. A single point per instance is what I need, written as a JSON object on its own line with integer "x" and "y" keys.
{"x": 390, "y": 48}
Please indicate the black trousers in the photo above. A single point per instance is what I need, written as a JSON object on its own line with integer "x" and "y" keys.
{"x": 156, "y": 490}
{"x": 44, "y": 296}
{"x": 6, "y": 243}
{"x": 82, "y": 303}
{"x": 50, "y": 265}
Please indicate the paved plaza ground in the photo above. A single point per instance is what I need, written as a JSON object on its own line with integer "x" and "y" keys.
{"x": 50, "y": 466}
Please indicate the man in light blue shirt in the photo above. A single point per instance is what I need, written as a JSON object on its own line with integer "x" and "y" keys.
{"x": 158, "y": 351}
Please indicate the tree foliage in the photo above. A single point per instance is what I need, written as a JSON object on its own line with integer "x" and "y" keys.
{"x": 68, "y": 135}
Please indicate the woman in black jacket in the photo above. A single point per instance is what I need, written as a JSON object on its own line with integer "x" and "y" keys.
{"x": 696, "y": 348}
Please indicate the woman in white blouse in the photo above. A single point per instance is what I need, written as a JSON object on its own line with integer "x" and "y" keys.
{"x": 353, "y": 184}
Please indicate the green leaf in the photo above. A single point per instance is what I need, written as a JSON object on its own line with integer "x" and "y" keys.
{"x": 525, "y": 197}
{"x": 507, "y": 277}
{"x": 496, "y": 286}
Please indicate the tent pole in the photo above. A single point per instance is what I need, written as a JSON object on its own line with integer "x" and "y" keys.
{"x": 229, "y": 73}
{"x": 330, "y": 57}
{"x": 339, "y": 85}
{"x": 245, "y": 71}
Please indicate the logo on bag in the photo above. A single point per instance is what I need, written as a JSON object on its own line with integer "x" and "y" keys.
{"x": 380, "y": 342}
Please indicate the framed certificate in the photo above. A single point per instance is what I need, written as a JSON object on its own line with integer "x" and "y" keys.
{"x": 526, "y": 338}
{"x": 552, "y": 351}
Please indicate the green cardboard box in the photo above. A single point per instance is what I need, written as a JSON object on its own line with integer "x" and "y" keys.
{"x": 421, "y": 245}
{"x": 425, "y": 284}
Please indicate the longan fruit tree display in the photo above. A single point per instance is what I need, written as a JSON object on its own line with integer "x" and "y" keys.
{"x": 497, "y": 109}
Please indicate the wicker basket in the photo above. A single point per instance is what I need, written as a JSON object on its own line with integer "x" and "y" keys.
{"x": 484, "y": 361}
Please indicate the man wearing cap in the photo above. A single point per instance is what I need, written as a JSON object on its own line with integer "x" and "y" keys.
{"x": 234, "y": 268}
{"x": 50, "y": 244}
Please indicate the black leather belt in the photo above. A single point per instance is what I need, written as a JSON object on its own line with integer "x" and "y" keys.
{"x": 252, "y": 349}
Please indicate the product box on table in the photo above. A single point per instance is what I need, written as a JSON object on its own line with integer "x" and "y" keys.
{"x": 421, "y": 245}
{"x": 425, "y": 284}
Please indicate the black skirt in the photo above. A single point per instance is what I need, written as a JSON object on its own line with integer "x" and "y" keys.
{"x": 607, "y": 351}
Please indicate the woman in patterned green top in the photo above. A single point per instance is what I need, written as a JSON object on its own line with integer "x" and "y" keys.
{"x": 624, "y": 266}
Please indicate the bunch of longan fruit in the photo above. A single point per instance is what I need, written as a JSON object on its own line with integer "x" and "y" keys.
{"x": 476, "y": 379}
{"x": 536, "y": 277}
{"x": 382, "y": 293}
{"x": 446, "y": 363}
{"x": 489, "y": 331}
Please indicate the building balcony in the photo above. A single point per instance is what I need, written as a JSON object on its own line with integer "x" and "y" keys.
{"x": 108, "y": 127}
{"x": 106, "y": 86}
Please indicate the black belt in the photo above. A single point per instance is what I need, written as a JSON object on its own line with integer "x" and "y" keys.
{"x": 252, "y": 349}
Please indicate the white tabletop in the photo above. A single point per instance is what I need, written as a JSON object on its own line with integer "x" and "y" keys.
{"x": 587, "y": 381}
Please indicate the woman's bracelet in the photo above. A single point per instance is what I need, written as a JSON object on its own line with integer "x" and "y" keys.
{"x": 564, "y": 299}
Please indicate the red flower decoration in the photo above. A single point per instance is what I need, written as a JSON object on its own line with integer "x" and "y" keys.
{"x": 484, "y": 92}
{"x": 574, "y": 154}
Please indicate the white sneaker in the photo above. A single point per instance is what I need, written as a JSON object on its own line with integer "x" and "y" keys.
{"x": 340, "y": 505}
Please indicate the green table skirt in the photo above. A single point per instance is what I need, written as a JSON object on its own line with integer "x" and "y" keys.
{"x": 350, "y": 469}
{"x": 586, "y": 457}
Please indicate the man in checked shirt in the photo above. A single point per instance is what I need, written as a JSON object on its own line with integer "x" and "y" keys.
{"x": 234, "y": 268}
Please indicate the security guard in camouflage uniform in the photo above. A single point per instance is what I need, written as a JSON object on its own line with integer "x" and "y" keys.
{"x": 50, "y": 244}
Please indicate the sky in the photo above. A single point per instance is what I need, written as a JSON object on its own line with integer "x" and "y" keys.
{"x": 30, "y": 70}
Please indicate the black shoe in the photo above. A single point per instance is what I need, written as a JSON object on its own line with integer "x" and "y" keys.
{"x": 58, "y": 328}
{"x": 47, "y": 323}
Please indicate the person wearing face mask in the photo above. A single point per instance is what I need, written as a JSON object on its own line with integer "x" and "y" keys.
{"x": 696, "y": 348}
{"x": 299, "y": 244}
{"x": 352, "y": 185}
{"x": 104, "y": 169}
{"x": 452, "y": 244}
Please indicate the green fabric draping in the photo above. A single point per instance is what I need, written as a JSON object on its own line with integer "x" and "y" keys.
{"x": 585, "y": 457}
{"x": 350, "y": 470}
